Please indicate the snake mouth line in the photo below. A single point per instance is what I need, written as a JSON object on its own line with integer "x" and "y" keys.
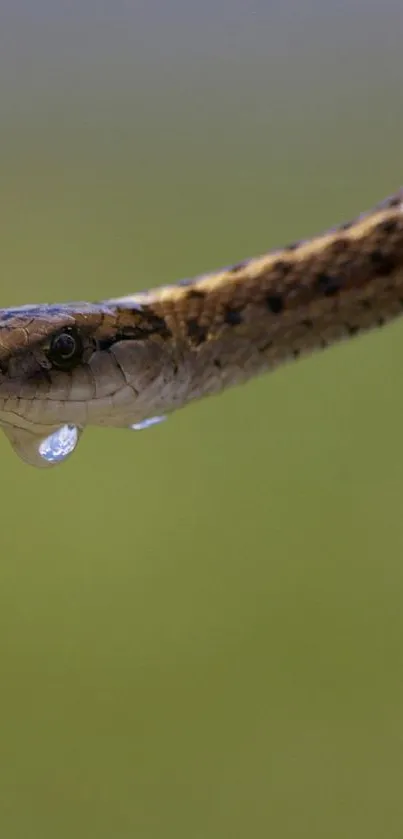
{"x": 42, "y": 413}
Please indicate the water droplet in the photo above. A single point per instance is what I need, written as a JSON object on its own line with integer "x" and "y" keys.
{"x": 60, "y": 444}
{"x": 138, "y": 426}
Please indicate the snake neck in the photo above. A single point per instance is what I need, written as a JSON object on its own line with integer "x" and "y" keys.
{"x": 226, "y": 327}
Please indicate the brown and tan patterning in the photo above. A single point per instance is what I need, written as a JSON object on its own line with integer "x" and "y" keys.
{"x": 120, "y": 361}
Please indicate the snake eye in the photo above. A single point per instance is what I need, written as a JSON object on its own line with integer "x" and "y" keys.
{"x": 65, "y": 349}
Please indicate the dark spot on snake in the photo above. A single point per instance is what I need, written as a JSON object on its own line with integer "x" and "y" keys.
{"x": 195, "y": 292}
{"x": 217, "y": 363}
{"x": 307, "y": 323}
{"x": 144, "y": 324}
{"x": 296, "y": 353}
{"x": 352, "y": 330}
{"x": 233, "y": 317}
{"x": 388, "y": 226}
{"x": 282, "y": 267}
{"x": 292, "y": 247}
{"x": 339, "y": 245}
{"x": 196, "y": 332}
{"x": 366, "y": 304}
{"x": 156, "y": 325}
{"x": 275, "y": 303}
{"x": 383, "y": 263}
{"x": 328, "y": 285}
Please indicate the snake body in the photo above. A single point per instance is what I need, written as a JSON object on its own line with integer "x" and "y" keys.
{"x": 122, "y": 360}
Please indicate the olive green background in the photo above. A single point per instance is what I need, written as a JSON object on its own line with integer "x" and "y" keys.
{"x": 201, "y": 625}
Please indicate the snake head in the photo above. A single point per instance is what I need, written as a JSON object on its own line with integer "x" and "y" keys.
{"x": 45, "y": 380}
{"x": 64, "y": 367}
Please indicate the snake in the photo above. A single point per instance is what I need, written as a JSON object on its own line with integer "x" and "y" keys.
{"x": 120, "y": 361}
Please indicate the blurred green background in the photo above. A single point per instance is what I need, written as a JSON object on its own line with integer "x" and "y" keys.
{"x": 201, "y": 625}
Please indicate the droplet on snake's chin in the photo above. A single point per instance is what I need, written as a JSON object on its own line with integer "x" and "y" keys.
{"x": 147, "y": 423}
{"x": 40, "y": 451}
{"x": 59, "y": 445}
